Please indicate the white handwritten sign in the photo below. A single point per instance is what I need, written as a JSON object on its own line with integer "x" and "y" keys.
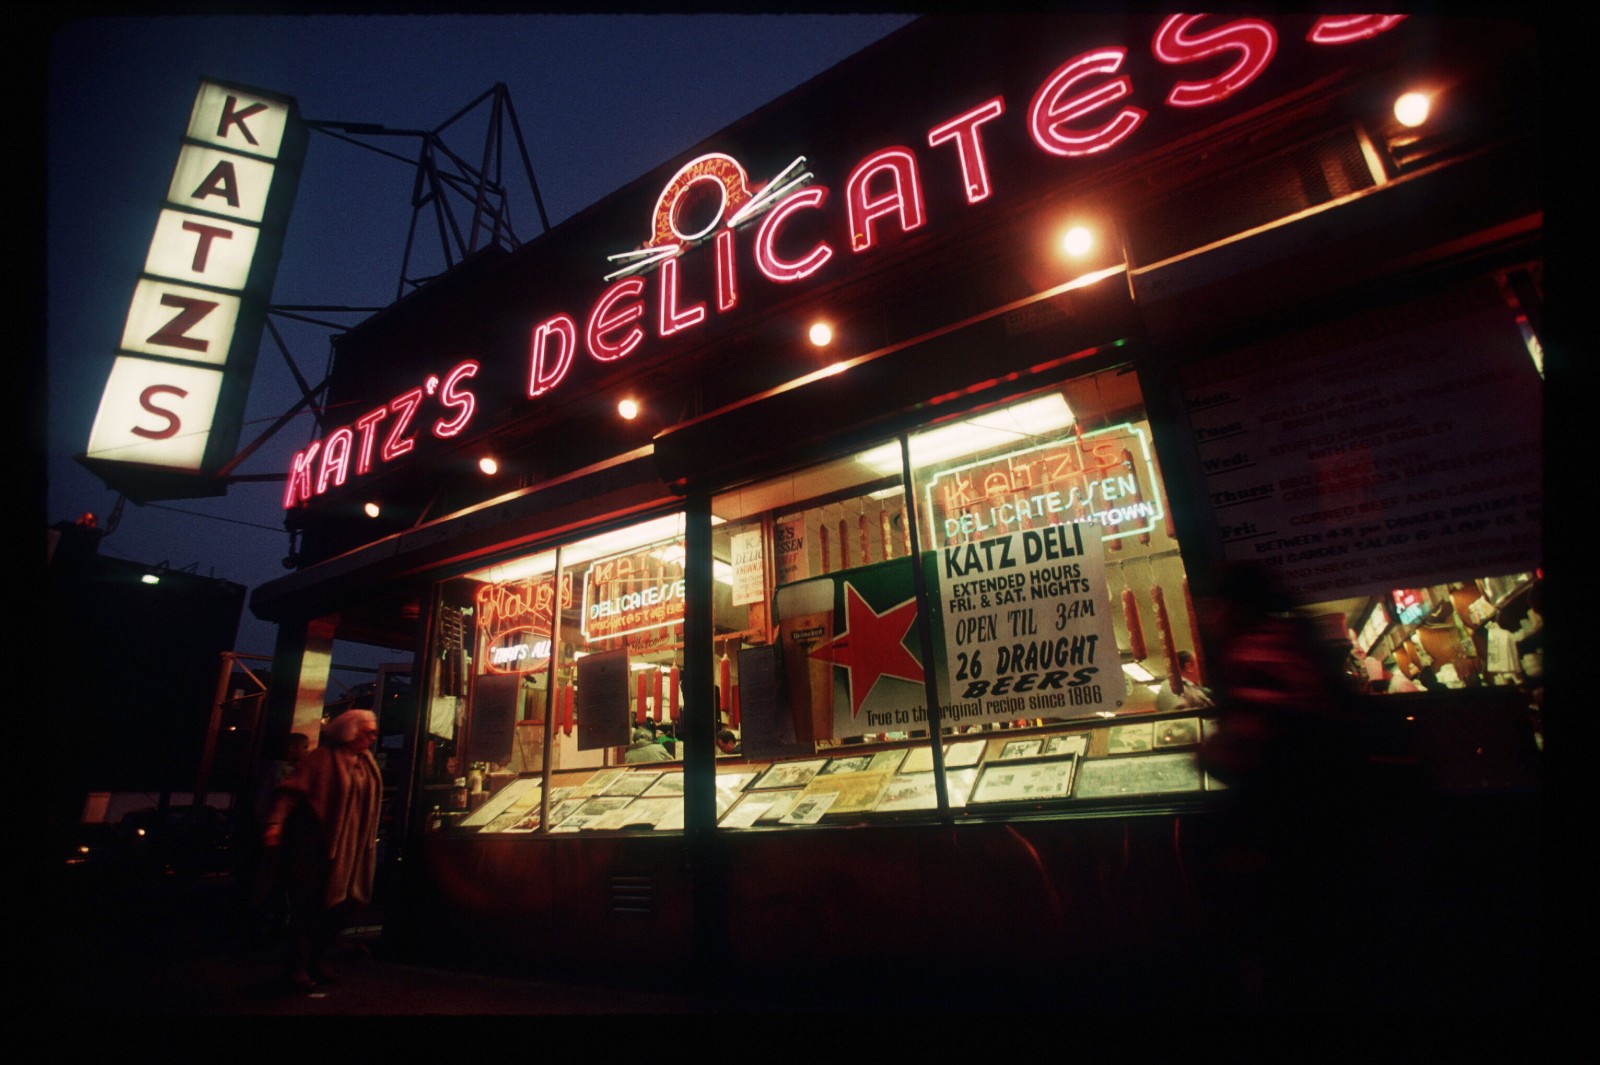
{"x": 1027, "y": 626}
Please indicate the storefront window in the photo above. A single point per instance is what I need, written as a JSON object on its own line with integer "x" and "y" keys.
{"x": 1061, "y": 589}
{"x": 564, "y": 664}
{"x": 817, "y": 645}
{"x": 1057, "y": 596}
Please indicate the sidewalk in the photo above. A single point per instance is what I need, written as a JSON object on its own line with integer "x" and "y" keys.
{"x": 184, "y": 948}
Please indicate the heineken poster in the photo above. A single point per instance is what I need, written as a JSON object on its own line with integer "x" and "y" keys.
{"x": 852, "y": 665}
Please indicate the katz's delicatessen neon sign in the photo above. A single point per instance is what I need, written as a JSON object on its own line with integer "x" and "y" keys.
{"x": 1087, "y": 108}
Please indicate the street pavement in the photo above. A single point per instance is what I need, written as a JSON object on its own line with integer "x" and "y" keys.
{"x": 168, "y": 946}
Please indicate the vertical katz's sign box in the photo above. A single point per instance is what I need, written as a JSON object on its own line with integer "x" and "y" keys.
{"x": 170, "y": 415}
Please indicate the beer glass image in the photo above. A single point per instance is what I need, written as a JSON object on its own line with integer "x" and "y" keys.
{"x": 805, "y": 620}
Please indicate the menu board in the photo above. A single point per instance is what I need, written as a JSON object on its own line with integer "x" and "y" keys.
{"x": 603, "y": 700}
{"x": 1393, "y": 450}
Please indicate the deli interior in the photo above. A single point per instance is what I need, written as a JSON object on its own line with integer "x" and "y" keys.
{"x": 880, "y": 436}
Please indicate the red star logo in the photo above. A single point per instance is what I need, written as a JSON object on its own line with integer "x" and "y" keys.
{"x": 871, "y": 646}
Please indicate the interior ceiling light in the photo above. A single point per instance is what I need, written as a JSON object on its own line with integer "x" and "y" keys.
{"x": 1411, "y": 109}
{"x": 1138, "y": 673}
{"x": 1077, "y": 241}
{"x": 821, "y": 334}
{"x": 1021, "y": 423}
{"x": 371, "y": 510}
{"x": 628, "y": 408}
{"x": 488, "y": 465}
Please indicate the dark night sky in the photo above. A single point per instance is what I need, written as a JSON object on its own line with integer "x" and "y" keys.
{"x": 601, "y": 99}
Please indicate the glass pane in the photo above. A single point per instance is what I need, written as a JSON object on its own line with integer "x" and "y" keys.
{"x": 1059, "y": 588}
{"x": 819, "y": 657}
{"x": 615, "y": 633}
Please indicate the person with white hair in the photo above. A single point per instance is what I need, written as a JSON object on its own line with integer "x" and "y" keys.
{"x": 325, "y": 818}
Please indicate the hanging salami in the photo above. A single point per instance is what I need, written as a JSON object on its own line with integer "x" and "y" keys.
{"x": 1169, "y": 648}
{"x": 1130, "y": 614}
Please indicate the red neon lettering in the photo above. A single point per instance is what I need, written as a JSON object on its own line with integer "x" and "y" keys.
{"x": 904, "y": 197}
{"x": 405, "y": 406}
{"x": 230, "y": 117}
{"x": 174, "y": 423}
{"x": 671, "y": 319}
{"x": 1342, "y": 29}
{"x": 463, "y": 400}
{"x": 544, "y": 376}
{"x": 298, "y": 488}
{"x": 1052, "y": 108}
{"x": 207, "y": 234}
{"x": 367, "y": 425}
{"x": 335, "y": 458}
{"x": 727, "y": 275}
{"x": 1255, "y": 42}
{"x": 767, "y": 260}
{"x": 607, "y": 318}
{"x": 220, "y": 182}
{"x": 175, "y": 333}
{"x": 963, "y": 129}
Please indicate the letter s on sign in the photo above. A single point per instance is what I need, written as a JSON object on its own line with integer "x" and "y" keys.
{"x": 1255, "y": 42}
{"x": 174, "y": 423}
{"x": 453, "y": 396}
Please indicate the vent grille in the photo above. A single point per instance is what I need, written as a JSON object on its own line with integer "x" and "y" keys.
{"x": 1219, "y": 206}
{"x": 632, "y": 894}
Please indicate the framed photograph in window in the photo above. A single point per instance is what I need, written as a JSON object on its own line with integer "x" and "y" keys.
{"x": 853, "y": 764}
{"x": 1179, "y": 732}
{"x": 1127, "y": 739}
{"x": 1151, "y": 774}
{"x": 1025, "y": 782}
{"x": 915, "y": 791}
{"x": 667, "y": 785}
{"x": 963, "y": 753}
{"x": 772, "y": 805}
{"x": 810, "y": 808}
{"x": 1013, "y": 750}
{"x": 633, "y": 782}
{"x": 857, "y": 792}
{"x": 1066, "y": 743}
{"x": 789, "y": 774}
{"x": 886, "y": 761}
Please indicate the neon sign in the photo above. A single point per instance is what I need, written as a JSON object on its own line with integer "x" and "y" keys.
{"x": 515, "y": 621}
{"x": 738, "y": 205}
{"x": 1105, "y": 477}
{"x": 1090, "y": 104}
{"x": 386, "y": 432}
{"x": 639, "y": 591}
{"x": 1083, "y": 108}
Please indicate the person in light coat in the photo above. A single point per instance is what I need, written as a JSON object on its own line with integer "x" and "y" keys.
{"x": 325, "y": 818}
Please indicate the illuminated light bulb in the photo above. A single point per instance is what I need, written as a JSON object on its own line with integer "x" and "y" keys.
{"x": 370, "y": 509}
{"x": 629, "y": 409}
{"x": 1411, "y": 109}
{"x": 488, "y": 465}
{"x": 150, "y": 578}
{"x": 821, "y": 334}
{"x": 1077, "y": 241}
